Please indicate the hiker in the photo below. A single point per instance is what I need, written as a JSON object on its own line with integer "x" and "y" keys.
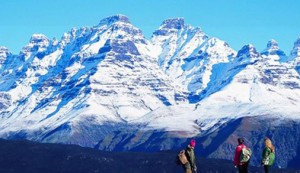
{"x": 242, "y": 156}
{"x": 268, "y": 155}
{"x": 190, "y": 166}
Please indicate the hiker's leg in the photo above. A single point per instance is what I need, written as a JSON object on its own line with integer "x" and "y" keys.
{"x": 240, "y": 168}
{"x": 188, "y": 171}
{"x": 246, "y": 167}
{"x": 243, "y": 168}
{"x": 266, "y": 168}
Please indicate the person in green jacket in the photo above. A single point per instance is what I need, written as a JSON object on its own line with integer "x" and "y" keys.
{"x": 268, "y": 155}
{"x": 190, "y": 166}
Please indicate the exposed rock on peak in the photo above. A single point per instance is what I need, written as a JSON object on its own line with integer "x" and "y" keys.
{"x": 115, "y": 18}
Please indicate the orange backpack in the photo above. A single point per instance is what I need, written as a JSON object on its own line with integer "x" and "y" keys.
{"x": 182, "y": 157}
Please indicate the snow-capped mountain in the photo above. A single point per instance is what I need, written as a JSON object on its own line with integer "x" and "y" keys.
{"x": 104, "y": 73}
{"x": 109, "y": 87}
{"x": 4, "y": 54}
{"x": 272, "y": 51}
{"x": 249, "y": 85}
{"x": 187, "y": 54}
{"x": 253, "y": 96}
{"x": 295, "y": 55}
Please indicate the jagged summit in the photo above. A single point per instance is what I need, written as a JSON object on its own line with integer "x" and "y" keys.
{"x": 175, "y": 23}
{"x": 37, "y": 38}
{"x": 248, "y": 51}
{"x": 114, "y": 18}
{"x": 250, "y": 46}
{"x": 272, "y": 44}
{"x": 297, "y": 43}
{"x": 3, "y": 49}
{"x": 295, "y": 53}
{"x": 176, "y": 26}
{"x": 119, "y": 27}
{"x": 37, "y": 42}
{"x": 273, "y": 49}
{"x": 4, "y": 52}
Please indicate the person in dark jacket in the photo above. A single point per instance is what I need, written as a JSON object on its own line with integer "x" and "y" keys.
{"x": 190, "y": 166}
{"x": 268, "y": 155}
{"x": 242, "y": 166}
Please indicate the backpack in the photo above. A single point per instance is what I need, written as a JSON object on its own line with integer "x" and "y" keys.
{"x": 245, "y": 154}
{"x": 181, "y": 158}
{"x": 271, "y": 159}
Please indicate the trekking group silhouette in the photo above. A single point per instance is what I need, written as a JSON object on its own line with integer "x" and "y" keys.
{"x": 241, "y": 159}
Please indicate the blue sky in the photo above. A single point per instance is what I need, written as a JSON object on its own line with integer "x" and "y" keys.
{"x": 237, "y": 22}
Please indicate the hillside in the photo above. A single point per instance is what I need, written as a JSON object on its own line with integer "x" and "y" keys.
{"x": 29, "y": 157}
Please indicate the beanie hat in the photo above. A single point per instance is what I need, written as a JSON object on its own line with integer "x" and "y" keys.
{"x": 193, "y": 143}
{"x": 241, "y": 140}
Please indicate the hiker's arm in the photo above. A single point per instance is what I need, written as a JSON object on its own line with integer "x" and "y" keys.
{"x": 237, "y": 154}
{"x": 193, "y": 161}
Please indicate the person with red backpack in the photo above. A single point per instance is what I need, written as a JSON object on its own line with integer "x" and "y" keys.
{"x": 242, "y": 156}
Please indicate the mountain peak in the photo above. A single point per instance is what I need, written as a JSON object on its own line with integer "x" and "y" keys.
{"x": 3, "y": 54}
{"x": 297, "y": 43}
{"x": 175, "y": 23}
{"x": 248, "y": 50}
{"x": 251, "y": 46}
{"x": 3, "y": 49}
{"x": 37, "y": 38}
{"x": 115, "y": 18}
{"x": 295, "y": 53}
{"x": 171, "y": 26}
{"x": 273, "y": 49}
{"x": 272, "y": 44}
{"x": 38, "y": 42}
